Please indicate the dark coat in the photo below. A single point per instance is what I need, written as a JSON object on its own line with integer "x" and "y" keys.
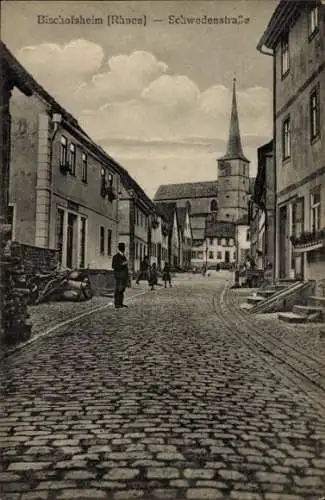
{"x": 121, "y": 272}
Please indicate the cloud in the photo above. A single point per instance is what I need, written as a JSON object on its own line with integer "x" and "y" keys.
{"x": 138, "y": 108}
{"x": 125, "y": 78}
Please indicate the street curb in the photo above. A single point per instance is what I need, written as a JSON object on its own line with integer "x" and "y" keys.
{"x": 64, "y": 323}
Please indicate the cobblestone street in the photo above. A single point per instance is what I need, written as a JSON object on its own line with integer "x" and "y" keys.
{"x": 158, "y": 401}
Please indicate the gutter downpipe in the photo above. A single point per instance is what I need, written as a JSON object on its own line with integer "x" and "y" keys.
{"x": 271, "y": 53}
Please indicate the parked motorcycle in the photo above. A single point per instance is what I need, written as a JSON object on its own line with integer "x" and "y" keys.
{"x": 60, "y": 285}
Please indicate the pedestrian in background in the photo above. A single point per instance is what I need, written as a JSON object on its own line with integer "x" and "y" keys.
{"x": 121, "y": 274}
{"x": 167, "y": 275}
{"x": 144, "y": 270}
{"x": 153, "y": 276}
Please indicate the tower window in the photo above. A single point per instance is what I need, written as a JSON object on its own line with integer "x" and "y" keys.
{"x": 213, "y": 206}
{"x": 227, "y": 215}
{"x": 227, "y": 195}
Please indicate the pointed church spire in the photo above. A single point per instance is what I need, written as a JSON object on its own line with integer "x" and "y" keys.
{"x": 234, "y": 147}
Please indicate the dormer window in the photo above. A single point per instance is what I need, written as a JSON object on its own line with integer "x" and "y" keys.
{"x": 285, "y": 60}
{"x": 313, "y": 22}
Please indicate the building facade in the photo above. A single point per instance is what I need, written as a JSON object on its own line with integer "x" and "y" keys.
{"x": 295, "y": 37}
{"x": 262, "y": 209}
{"x": 63, "y": 188}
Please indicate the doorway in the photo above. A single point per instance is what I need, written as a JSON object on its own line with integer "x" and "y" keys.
{"x": 71, "y": 240}
{"x": 283, "y": 216}
{"x": 227, "y": 257}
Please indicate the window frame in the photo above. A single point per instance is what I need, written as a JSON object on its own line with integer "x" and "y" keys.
{"x": 84, "y": 167}
{"x": 315, "y": 208}
{"x": 63, "y": 151}
{"x": 72, "y": 159}
{"x": 313, "y": 22}
{"x": 286, "y": 155}
{"x": 314, "y": 94}
{"x": 109, "y": 242}
{"x": 285, "y": 56}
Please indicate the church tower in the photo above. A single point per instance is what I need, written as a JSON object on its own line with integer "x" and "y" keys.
{"x": 233, "y": 173}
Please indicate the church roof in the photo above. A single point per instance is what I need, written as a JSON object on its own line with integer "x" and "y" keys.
{"x": 234, "y": 147}
{"x": 205, "y": 189}
{"x": 219, "y": 229}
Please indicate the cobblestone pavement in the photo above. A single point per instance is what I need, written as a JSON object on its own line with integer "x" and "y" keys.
{"x": 158, "y": 401}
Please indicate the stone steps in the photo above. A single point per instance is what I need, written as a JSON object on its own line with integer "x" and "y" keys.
{"x": 291, "y": 317}
{"x": 309, "y": 309}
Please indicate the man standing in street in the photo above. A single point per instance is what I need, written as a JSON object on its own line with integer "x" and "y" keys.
{"x": 121, "y": 274}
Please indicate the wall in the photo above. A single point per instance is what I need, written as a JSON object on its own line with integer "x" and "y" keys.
{"x": 305, "y": 59}
{"x": 23, "y": 166}
{"x": 36, "y": 259}
{"x": 86, "y": 194}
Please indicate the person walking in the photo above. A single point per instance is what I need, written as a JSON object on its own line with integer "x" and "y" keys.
{"x": 144, "y": 270}
{"x": 167, "y": 275}
{"x": 121, "y": 274}
{"x": 153, "y": 280}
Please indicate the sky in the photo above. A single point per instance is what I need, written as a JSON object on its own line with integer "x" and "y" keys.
{"x": 157, "y": 95}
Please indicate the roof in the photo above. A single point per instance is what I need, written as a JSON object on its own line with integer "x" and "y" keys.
{"x": 234, "y": 147}
{"x": 168, "y": 209}
{"x": 219, "y": 229}
{"x": 284, "y": 15}
{"x": 205, "y": 189}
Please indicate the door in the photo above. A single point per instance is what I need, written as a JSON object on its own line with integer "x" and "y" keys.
{"x": 71, "y": 240}
{"x": 227, "y": 257}
{"x": 283, "y": 242}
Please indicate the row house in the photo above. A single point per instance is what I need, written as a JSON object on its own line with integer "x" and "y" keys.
{"x": 185, "y": 237}
{"x": 295, "y": 38}
{"x": 159, "y": 238}
{"x": 262, "y": 209}
{"x": 220, "y": 243}
{"x": 63, "y": 187}
{"x": 174, "y": 234}
{"x": 135, "y": 212}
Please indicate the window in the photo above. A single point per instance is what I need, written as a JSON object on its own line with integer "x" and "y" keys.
{"x": 223, "y": 242}
{"x": 72, "y": 159}
{"x": 140, "y": 251}
{"x": 83, "y": 242}
{"x": 247, "y": 235}
{"x": 234, "y": 257}
{"x": 210, "y": 255}
{"x": 102, "y": 241}
{"x": 231, "y": 242}
{"x": 219, "y": 255}
{"x": 188, "y": 206}
{"x": 136, "y": 250}
{"x": 84, "y": 168}
{"x": 110, "y": 180}
{"x": 213, "y": 206}
{"x": 211, "y": 241}
{"x": 285, "y": 61}
{"x": 63, "y": 151}
{"x": 298, "y": 217}
{"x": 109, "y": 242}
{"x": 315, "y": 210}
{"x": 227, "y": 215}
{"x": 200, "y": 255}
{"x": 314, "y": 114}
{"x": 313, "y": 22}
{"x": 286, "y": 142}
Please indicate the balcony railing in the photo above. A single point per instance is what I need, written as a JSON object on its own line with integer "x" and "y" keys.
{"x": 308, "y": 241}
